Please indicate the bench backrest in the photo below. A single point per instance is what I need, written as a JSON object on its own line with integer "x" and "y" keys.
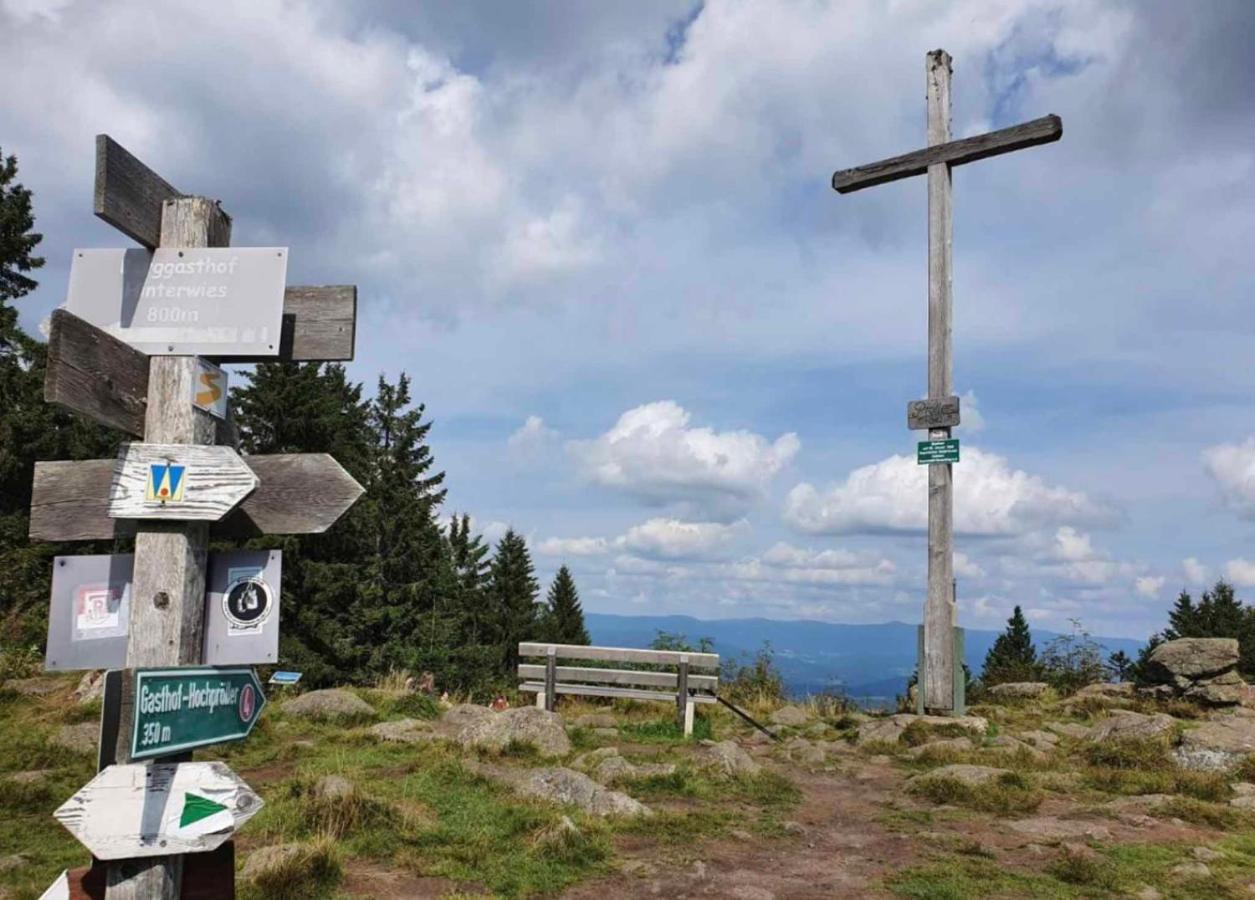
{"x": 697, "y": 662}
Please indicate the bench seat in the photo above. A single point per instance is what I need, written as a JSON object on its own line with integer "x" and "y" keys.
{"x": 603, "y": 690}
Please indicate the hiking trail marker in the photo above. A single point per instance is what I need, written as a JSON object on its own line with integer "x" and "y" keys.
{"x": 182, "y": 709}
{"x": 121, "y": 353}
{"x": 932, "y": 453}
{"x": 158, "y": 809}
{"x": 940, "y": 688}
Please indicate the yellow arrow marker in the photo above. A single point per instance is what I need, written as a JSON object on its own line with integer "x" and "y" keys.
{"x": 209, "y": 397}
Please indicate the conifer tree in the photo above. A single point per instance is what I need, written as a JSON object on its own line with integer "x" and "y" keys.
{"x": 1218, "y": 613}
{"x": 563, "y": 617}
{"x": 513, "y": 589}
{"x": 1012, "y": 657}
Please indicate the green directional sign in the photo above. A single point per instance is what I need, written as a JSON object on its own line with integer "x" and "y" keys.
{"x": 930, "y": 453}
{"x": 179, "y": 709}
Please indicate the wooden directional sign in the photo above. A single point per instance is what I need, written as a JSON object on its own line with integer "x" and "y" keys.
{"x": 299, "y": 493}
{"x": 925, "y": 414}
{"x": 182, "y": 709}
{"x": 214, "y": 301}
{"x": 93, "y": 373}
{"x": 158, "y": 809}
{"x": 185, "y": 482}
{"x": 206, "y": 876}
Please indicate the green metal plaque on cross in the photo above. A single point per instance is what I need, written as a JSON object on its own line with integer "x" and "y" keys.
{"x": 930, "y": 453}
{"x": 179, "y": 709}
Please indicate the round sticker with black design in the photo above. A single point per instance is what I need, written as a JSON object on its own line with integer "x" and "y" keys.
{"x": 247, "y": 603}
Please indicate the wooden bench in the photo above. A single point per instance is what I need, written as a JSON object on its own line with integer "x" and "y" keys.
{"x": 679, "y": 687}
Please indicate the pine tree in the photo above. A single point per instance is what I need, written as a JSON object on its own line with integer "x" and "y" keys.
{"x": 1012, "y": 657}
{"x": 563, "y": 619}
{"x": 30, "y": 429}
{"x": 1218, "y": 613}
{"x": 513, "y": 589}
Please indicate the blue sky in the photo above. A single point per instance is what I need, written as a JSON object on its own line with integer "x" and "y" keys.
{"x": 601, "y": 240}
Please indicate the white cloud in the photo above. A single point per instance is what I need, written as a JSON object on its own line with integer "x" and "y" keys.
{"x": 964, "y": 567}
{"x": 1233, "y": 468}
{"x": 579, "y": 546}
{"x": 1241, "y": 572}
{"x": 971, "y": 420}
{"x": 891, "y": 496}
{"x": 1195, "y": 571}
{"x": 652, "y": 454}
{"x": 532, "y": 436}
{"x": 674, "y": 539}
{"x": 1150, "y": 585}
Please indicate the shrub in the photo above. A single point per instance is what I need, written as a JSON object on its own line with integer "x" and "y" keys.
{"x": 1084, "y": 868}
{"x": 1009, "y": 793}
{"x": 310, "y": 872}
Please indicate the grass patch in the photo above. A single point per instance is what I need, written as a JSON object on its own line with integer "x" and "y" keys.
{"x": 1008, "y": 793}
{"x": 312, "y": 871}
{"x": 1085, "y": 869}
{"x": 665, "y": 731}
{"x": 1198, "y": 812}
{"x": 918, "y": 732}
{"x": 1145, "y": 767}
{"x": 967, "y": 877}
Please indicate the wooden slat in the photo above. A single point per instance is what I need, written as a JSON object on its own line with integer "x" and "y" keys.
{"x": 955, "y": 153}
{"x": 128, "y": 194}
{"x": 215, "y": 479}
{"x": 595, "y": 690}
{"x": 319, "y": 323}
{"x": 939, "y": 413}
{"x": 572, "y": 674}
{"x": 298, "y": 493}
{"x": 92, "y": 373}
{"x": 621, "y": 654}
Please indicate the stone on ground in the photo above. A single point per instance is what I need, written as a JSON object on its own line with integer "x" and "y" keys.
{"x": 80, "y": 738}
{"x": 1042, "y": 740}
{"x": 465, "y": 713}
{"x": 961, "y": 772}
{"x": 1004, "y": 743}
{"x": 890, "y": 728}
{"x": 567, "y": 786}
{"x": 1054, "y": 829}
{"x": 790, "y": 716}
{"x": 333, "y": 787}
{"x": 950, "y": 745}
{"x": 1192, "y": 658}
{"x": 729, "y": 760}
{"x": 403, "y": 731}
{"x": 1217, "y": 744}
{"x": 1106, "y": 689}
{"x": 1131, "y": 726}
{"x": 616, "y": 768}
{"x": 804, "y": 752}
{"x": 1191, "y": 870}
{"x": 1068, "y": 729}
{"x": 1019, "y": 690}
{"x": 90, "y": 687}
{"x": 263, "y": 859}
{"x": 332, "y": 704}
{"x": 1206, "y": 854}
{"x": 526, "y": 725}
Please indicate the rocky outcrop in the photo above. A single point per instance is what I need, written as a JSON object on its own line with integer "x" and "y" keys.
{"x": 1122, "y": 725}
{"x": 1200, "y": 669}
{"x": 1218, "y": 744}
{"x": 790, "y": 716}
{"x": 403, "y": 731}
{"x": 332, "y": 704}
{"x": 1019, "y": 690}
{"x": 890, "y": 728}
{"x": 962, "y": 773}
{"x": 573, "y": 788}
{"x": 495, "y": 731}
{"x": 464, "y": 714}
{"x": 1049, "y": 828}
{"x": 728, "y": 760}
{"x": 615, "y": 768}
{"x": 267, "y": 859}
{"x": 90, "y": 687}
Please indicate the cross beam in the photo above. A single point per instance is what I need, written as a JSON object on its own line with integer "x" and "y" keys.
{"x": 954, "y": 153}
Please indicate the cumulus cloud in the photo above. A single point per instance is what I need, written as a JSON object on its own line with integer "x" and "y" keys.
{"x": 972, "y": 421}
{"x": 784, "y": 562}
{"x": 1241, "y": 572}
{"x": 1233, "y": 468}
{"x": 1195, "y": 571}
{"x": 532, "y": 436}
{"x": 891, "y": 496}
{"x": 674, "y": 539}
{"x": 1150, "y": 585}
{"x": 577, "y": 546}
{"x": 654, "y": 455}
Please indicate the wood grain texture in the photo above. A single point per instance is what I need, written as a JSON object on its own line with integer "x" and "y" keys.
{"x": 298, "y": 493}
{"x": 578, "y": 675}
{"x": 940, "y": 615}
{"x": 319, "y": 323}
{"x": 206, "y": 876}
{"x": 70, "y": 502}
{"x": 620, "y": 654}
{"x": 950, "y": 153}
{"x": 128, "y": 194}
{"x": 603, "y": 690}
{"x": 94, "y": 374}
{"x": 930, "y": 413}
{"x": 215, "y": 480}
{"x": 134, "y": 811}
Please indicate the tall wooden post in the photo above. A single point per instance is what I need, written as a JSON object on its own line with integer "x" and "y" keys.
{"x": 940, "y": 614}
{"x": 168, "y": 587}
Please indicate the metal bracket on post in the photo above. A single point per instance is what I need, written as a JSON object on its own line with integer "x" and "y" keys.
{"x": 551, "y": 678}
{"x": 959, "y": 689}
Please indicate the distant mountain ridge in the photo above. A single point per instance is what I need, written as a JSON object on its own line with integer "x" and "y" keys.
{"x": 871, "y": 663}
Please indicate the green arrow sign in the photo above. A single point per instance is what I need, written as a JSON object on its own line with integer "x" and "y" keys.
{"x": 179, "y": 709}
{"x": 930, "y": 453}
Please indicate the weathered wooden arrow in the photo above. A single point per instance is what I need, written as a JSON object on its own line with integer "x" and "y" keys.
{"x": 318, "y": 322}
{"x": 299, "y": 493}
{"x": 158, "y": 809}
{"x": 183, "y": 482}
{"x": 206, "y": 876}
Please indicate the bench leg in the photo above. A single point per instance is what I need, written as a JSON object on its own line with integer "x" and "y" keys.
{"x": 540, "y": 699}
{"x": 688, "y": 718}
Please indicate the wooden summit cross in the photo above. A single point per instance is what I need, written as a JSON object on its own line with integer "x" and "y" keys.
{"x": 940, "y": 673}
{"x": 126, "y": 352}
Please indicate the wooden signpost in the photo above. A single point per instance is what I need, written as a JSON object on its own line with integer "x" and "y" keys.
{"x": 940, "y": 669}
{"x": 135, "y": 811}
{"x": 182, "y": 709}
{"x": 185, "y": 292}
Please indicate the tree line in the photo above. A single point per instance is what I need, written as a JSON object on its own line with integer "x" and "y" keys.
{"x": 395, "y": 584}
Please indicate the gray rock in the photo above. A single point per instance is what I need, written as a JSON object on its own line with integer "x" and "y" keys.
{"x": 750, "y": 892}
{"x": 80, "y": 738}
{"x": 1217, "y": 744}
{"x": 729, "y": 760}
{"x": 890, "y": 728}
{"x": 526, "y": 725}
{"x": 90, "y": 687}
{"x": 1106, "y": 689}
{"x": 1206, "y": 854}
{"x": 1192, "y": 658}
{"x": 464, "y": 714}
{"x": 1191, "y": 870}
{"x": 1042, "y": 740}
{"x": 596, "y": 720}
{"x": 1019, "y": 690}
{"x": 616, "y": 768}
{"x": 805, "y": 753}
{"x": 333, "y": 787}
{"x": 1243, "y": 788}
{"x": 1054, "y": 829}
{"x": 1243, "y": 802}
{"x": 790, "y": 716}
{"x": 961, "y": 772}
{"x": 1217, "y": 693}
{"x": 1004, "y": 743}
{"x": 593, "y": 757}
{"x": 567, "y": 786}
{"x": 951, "y": 745}
{"x": 1131, "y": 726}
{"x": 403, "y": 731}
{"x": 1068, "y": 729}
{"x": 332, "y": 704}
{"x": 794, "y": 828}
{"x": 263, "y": 859}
